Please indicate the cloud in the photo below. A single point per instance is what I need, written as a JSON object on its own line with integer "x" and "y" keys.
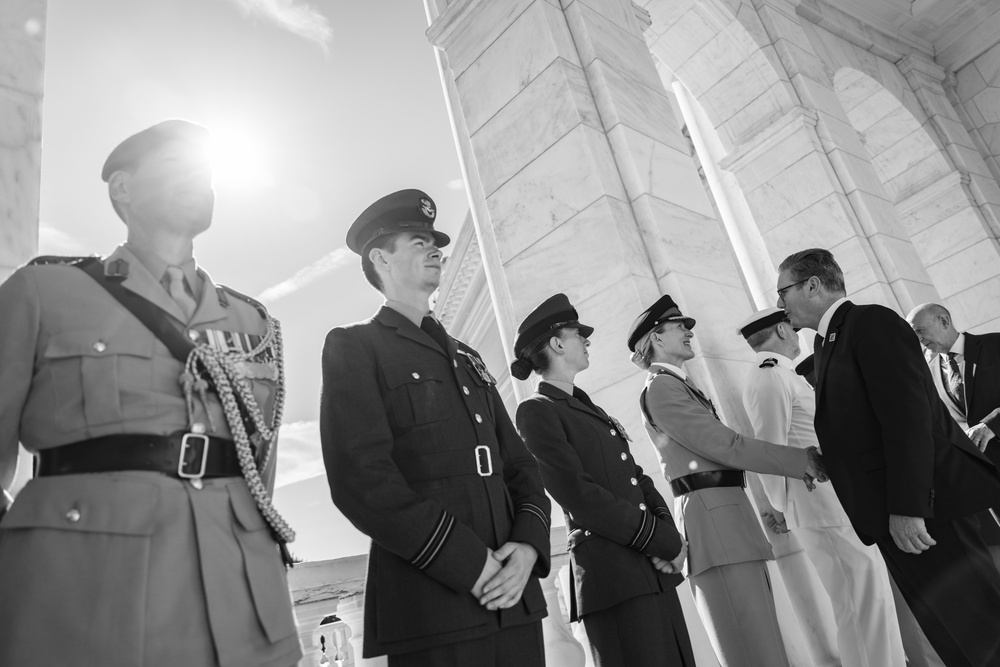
{"x": 307, "y": 275}
{"x": 52, "y": 241}
{"x": 299, "y": 453}
{"x": 296, "y": 17}
{"x": 456, "y": 184}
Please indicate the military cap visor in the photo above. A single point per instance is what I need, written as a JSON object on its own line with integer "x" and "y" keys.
{"x": 664, "y": 310}
{"x": 546, "y": 319}
{"x": 129, "y": 152}
{"x": 402, "y": 211}
{"x": 760, "y": 321}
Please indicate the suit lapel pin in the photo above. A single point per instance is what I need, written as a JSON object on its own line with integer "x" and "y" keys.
{"x": 832, "y": 337}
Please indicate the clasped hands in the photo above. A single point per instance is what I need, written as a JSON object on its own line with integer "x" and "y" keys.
{"x": 505, "y": 575}
{"x": 815, "y": 470}
{"x": 670, "y": 566}
{"x": 910, "y": 533}
{"x": 980, "y": 434}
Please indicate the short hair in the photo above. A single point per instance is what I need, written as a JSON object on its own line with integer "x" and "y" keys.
{"x": 387, "y": 242}
{"x": 815, "y": 262}
{"x": 643, "y": 355}
{"x": 758, "y": 338}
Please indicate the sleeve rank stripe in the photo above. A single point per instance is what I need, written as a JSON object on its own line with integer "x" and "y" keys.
{"x": 537, "y": 511}
{"x": 644, "y": 534}
{"x": 434, "y": 543}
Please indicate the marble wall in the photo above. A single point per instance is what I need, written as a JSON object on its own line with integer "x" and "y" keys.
{"x": 22, "y": 65}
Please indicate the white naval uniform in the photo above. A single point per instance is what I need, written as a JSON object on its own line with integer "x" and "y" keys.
{"x": 781, "y": 406}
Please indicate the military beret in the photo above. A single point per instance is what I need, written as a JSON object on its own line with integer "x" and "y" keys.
{"x": 403, "y": 211}
{"x": 760, "y": 321}
{"x": 548, "y": 317}
{"x": 129, "y": 152}
{"x": 664, "y": 310}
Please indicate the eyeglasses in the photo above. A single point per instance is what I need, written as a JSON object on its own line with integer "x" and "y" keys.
{"x": 782, "y": 290}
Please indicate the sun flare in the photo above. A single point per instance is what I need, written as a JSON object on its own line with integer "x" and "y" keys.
{"x": 238, "y": 158}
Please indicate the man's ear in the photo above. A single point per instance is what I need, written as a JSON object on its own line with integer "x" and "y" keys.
{"x": 118, "y": 187}
{"x": 377, "y": 256}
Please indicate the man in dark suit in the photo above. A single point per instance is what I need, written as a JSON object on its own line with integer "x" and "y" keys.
{"x": 422, "y": 457}
{"x": 910, "y": 480}
{"x": 964, "y": 366}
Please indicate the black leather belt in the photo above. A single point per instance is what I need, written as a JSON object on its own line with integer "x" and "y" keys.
{"x": 707, "y": 480}
{"x": 183, "y": 455}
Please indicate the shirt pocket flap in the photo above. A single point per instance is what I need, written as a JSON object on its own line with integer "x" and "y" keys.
{"x": 96, "y": 344}
{"x": 397, "y": 375}
{"x": 86, "y": 503}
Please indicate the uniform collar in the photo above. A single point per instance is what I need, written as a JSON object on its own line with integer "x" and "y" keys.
{"x": 157, "y": 267}
{"x": 824, "y": 322}
{"x": 676, "y": 370}
{"x": 782, "y": 360}
{"x": 415, "y": 315}
{"x": 561, "y": 386}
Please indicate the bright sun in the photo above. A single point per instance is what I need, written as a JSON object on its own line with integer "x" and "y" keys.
{"x": 238, "y": 159}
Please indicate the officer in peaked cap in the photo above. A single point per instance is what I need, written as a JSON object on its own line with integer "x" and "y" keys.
{"x": 664, "y": 310}
{"x": 402, "y": 211}
{"x": 550, "y": 316}
{"x": 626, "y": 553}
{"x": 781, "y": 407}
{"x": 141, "y": 519}
{"x": 422, "y": 457}
{"x": 704, "y": 461}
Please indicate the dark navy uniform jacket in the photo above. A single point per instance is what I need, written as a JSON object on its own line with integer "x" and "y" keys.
{"x": 615, "y": 516}
{"x": 401, "y": 421}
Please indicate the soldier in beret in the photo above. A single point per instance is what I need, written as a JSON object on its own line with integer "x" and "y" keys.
{"x": 781, "y": 407}
{"x": 626, "y": 552}
{"x": 704, "y": 460}
{"x": 152, "y": 398}
{"x": 422, "y": 457}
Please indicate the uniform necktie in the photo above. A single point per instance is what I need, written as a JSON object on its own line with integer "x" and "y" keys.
{"x": 175, "y": 287}
{"x": 689, "y": 382}
{"x": 435, "y": 330}
{"x": 953, "y": 384}
{"x": 581, "y": 395}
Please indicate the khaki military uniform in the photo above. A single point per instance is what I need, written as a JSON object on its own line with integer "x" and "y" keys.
{"x": 128, "y": 568}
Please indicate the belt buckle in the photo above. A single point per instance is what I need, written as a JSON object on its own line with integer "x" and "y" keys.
{"x": 187, "y": 441}
{"x": 479, "y": 461}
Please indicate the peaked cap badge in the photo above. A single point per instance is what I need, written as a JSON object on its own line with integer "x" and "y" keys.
{"x": 427, "y": 208}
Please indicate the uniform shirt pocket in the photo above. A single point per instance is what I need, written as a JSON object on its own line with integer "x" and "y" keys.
{"x": 265, "y": 573}
{"x": 90, "y": 369}
{"x": 416, "y": 394}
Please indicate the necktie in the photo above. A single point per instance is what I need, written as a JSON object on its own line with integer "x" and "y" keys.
{"x": 433, "y": 328}
{"x": 953, "y": 384}
{"x": 689, "y": 382}
{"x": 817, "y": 350}
{"x": 175, "y": 286}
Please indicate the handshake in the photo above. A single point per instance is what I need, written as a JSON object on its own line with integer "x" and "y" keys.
{"x": 815, "y": 470}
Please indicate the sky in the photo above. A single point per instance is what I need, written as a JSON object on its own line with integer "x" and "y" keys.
{"x": 308, "y": 133}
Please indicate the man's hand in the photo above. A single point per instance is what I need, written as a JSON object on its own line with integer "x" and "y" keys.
{"x": 504, "y": 589}
{"x": 774, "y": 520}
{"x": 671, "y": 566}
{"x": 490, "y": 569}
{"x": 910, "y": 534}
{"x": 980, "y": 434}
{"x": 815, "y": 471}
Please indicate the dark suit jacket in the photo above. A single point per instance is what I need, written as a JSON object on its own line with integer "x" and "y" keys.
{"x": 982, "y": 386}
{"x": 615, "y": 516}
{"x": 400, "y": 422}
{"x": 888, "y": 441}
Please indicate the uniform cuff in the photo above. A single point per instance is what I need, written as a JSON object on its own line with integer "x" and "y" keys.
{"x": 531, "y": 526}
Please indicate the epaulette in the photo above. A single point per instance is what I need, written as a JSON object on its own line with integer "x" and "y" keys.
{"x": 770, "y": 362}
{"x": 223, "y": 290}
{"x": 48, "y": 260}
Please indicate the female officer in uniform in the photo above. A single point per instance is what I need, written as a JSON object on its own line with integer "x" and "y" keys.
{"x": 626, "y": 553}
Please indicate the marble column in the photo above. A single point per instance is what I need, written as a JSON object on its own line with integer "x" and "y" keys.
{"x": 810, "y": 182}
{"x": 22, "y": 66}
